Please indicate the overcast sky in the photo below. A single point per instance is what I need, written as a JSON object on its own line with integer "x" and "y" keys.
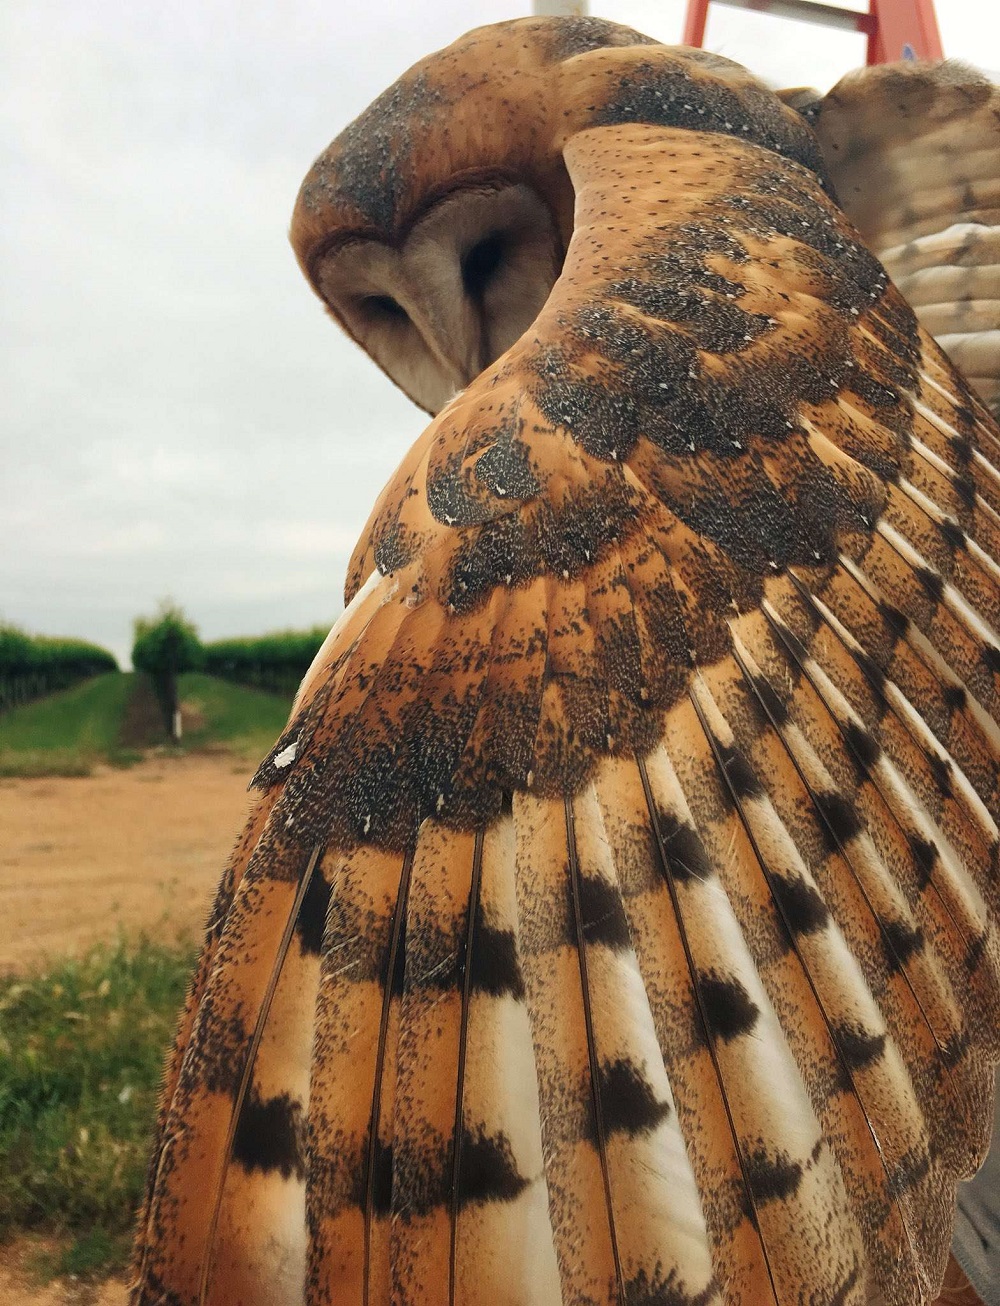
{"x": 179, "y": 417}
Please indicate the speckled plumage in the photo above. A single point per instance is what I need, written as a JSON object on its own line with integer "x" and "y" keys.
{"x": 616, "y": 919}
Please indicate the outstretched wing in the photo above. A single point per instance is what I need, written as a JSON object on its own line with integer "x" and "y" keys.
{"x": 912, "y": 150}
{"x": 616, "y": 923}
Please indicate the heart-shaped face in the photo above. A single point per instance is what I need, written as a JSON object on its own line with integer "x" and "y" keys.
{"x": 468, "y": 278}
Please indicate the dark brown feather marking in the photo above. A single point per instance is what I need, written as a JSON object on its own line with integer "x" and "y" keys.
{"x": 270, "y": 1135}
{"x": 628, "y": 1102}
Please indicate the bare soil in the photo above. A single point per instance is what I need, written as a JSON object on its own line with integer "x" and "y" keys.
{"x": 137, "y": 849}
{"x": 19, "y": 1285}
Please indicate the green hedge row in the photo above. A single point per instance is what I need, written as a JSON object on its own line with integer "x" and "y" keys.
{"x": 32, "y": 666}
{"x": 275, "y": 663}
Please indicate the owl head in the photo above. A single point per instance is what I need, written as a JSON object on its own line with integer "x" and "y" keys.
{"x": 435, "y": 225}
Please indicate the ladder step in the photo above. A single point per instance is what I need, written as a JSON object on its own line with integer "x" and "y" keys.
{"x": 896, "y": 29}
{"x": 848, "y": 20}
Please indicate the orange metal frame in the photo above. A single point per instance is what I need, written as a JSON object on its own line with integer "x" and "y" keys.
{"x": 896, "y": 29}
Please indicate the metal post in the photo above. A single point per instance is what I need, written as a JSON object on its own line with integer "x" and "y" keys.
{"x": 872, "y": 39}
{"x": 694, "y": 23}
{"x": 809, "y": 11}
{"x": 559, "y": 8}
{"x": 906, "y": 31}
{"x": 896, "y": 29}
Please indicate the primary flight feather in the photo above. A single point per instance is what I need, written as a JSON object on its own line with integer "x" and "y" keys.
{"x": 615, "y": 921}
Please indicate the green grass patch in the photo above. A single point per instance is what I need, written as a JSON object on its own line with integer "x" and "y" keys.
{"x": 81, "y": 1055}
{"x": 245, "y": 721}
{"x": 50, "y": 761}
{"x": 65, "y": 733}
{"x": 112, "y": 718}
{"x": 95, "y": 1253}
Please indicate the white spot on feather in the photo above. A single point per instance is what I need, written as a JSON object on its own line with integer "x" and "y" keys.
{"x": 287, "y": 755}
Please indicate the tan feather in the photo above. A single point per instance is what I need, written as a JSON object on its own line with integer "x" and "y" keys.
{"x": 618, "y": 919}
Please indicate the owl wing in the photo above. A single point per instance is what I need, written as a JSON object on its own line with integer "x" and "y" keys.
{"x": 616, "y": 920}
{"x": 912, "y": 150}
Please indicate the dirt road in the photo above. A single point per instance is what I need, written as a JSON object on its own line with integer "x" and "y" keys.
{"x": 139, "y": 848}
{"x": 19, "y": 1284}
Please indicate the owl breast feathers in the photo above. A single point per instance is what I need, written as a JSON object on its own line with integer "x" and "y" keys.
{"x": 616, "y": 918}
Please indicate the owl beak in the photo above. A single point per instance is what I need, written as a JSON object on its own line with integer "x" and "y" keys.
{"x": 465, "y": 365}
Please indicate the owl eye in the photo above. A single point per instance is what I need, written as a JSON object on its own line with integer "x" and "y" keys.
{"x": 385, "y": 306}
{"x": 480, "y": 263}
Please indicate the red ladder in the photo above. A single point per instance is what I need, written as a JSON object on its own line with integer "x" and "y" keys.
{"x": 896, "y": 29}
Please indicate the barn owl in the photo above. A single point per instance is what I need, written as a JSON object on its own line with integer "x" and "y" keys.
{"x": 616, "y": 918}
